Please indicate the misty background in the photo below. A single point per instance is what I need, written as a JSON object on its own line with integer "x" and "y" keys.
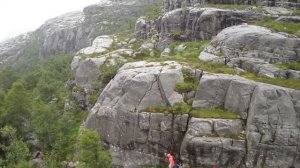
{"x": 19, "y": 16}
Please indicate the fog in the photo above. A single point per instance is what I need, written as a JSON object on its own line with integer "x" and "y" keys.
{"x": 20, "y": 16}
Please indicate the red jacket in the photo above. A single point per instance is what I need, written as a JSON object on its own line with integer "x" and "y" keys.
{"x": 171, "y": 159}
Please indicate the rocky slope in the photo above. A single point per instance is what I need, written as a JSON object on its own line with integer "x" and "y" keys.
{"x": 254, "y": 49}
{"x": 170, "y": 5}
{"x": 264, "y": 132}
{"x": 267, "y": 114}
{"x": 75, "y": 30}
{"x": 141, "y": 113}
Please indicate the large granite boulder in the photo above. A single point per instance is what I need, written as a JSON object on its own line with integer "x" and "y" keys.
{"x": 87, "y": 71}
{"x": 271, "y": 113}
{"x": 100, "y": 44}
{"x": 120, "y": 114}
{"x": 254, "y": 48}
{"x": 264, "y": 135}
{"x": 201, "y": 146}
{"x": 201, "y": 23}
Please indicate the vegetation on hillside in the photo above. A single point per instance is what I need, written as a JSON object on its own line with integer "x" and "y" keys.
{"x": 279, "y": 26}
{"x": 32, "y": 102}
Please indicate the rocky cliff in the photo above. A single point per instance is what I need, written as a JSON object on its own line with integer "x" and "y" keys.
{"x": 164, "y": 89}
{"x": 75, "y": 30}
{"x": 141, "y": 113}
{"x": 266, "y": 131}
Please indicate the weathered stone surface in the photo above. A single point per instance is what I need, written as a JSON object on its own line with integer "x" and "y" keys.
{"x": 87, "y": 71}
{"x": 118, "y": 114}
{"x": 62, "y": 34}
{"x": 273, "y": 127}
{"x": 73, "y": 31}
{"x": 142, "y": 28}
{"x": 10, "y": 48}
{"x": 213, "y": 90}
{"x": 198, "y": 150}
{"x": 253, "y": 48}
{"x": 201, "y": 23}
{"x": 100, "y": 44}
{"x": 272, "y": 117}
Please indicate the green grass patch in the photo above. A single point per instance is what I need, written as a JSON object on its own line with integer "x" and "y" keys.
{"x": 289, "y": 83}
{"x": 296, "y": 12}
{"x": 224, "y": 6}
{"x": 93, "y": 98}
{"x": 189, "y": 83}
{"x": 152, "y": 11}
{"x": 184, "y": 87}
{"x": 214, "y": 113}
{"x": 177, "y": 108}
{"x": 293, "y": 66}
{"x": 278, "y": 26}
{"x": 190, "y": 55}
{"x": 183, "y": 108}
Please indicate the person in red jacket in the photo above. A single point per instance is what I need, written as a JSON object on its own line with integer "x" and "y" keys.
{"x": 171, "y": 160}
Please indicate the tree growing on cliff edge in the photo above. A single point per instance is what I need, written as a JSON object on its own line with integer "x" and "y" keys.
{"x": 90, "y": 154}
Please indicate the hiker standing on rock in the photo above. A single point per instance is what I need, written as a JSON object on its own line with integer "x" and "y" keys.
{"x": 171, "y": 159}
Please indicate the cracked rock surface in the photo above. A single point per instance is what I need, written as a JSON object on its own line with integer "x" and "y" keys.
{"x": 271, "y": 112}
{"x": 201, "y": 23}
{"x": 255, "y": 49}
{"x": 266, "y": 134}
{"x": 120, "y": 117}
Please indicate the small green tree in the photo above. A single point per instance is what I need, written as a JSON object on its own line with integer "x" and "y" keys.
{"x": 16, "y": 151}
{"x": 90, "y": 154}
{"x": 16, "y": 109}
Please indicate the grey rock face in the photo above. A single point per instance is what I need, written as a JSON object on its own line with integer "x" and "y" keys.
{"x": 73, "y": 31}
{"x": 201, "y": 23}
{"x": 272, "y": 127}
{"x": 120, "y": 118}
{"x": 87, "y": 71}
{"x": 10, "y": 48}
{"x": 201, "y": 148}
{"x": 253, "y": 48}
{"x": 60, "y": 34}
{"x": 100, "y": 44}
{"x": 264, "y": 136}
{"x": 271, "y": 113}
{"x": 142, "y": 28}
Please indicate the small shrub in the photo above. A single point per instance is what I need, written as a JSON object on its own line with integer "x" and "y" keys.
{"x": 93, "y": 98}
{"x": 181, "y": 108}
{"x": 108, "y": 72}
{"x": 184, "y": 87}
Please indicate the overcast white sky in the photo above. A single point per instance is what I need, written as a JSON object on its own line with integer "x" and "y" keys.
{"x": 19, "y": 16}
